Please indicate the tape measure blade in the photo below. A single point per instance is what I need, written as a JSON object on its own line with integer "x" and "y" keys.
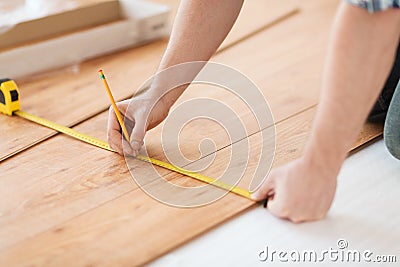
{"x": 200, "y": 177}
{"x": 104, "y": 145}
{"x": 65, "y": 130}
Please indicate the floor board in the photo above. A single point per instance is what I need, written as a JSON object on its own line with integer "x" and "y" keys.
{"x": 67, "y": 96}
{"x": 89, "y": 204}
{"x": 133, "y": 215}
{"x": 364, "y": 213}
{"x": 43, "y": 166}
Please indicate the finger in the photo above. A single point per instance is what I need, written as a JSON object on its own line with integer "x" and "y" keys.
{"x": 265, "y": 190}
{"x": 113, "y": 141}
{"x": 276, "y": 207}
{"x": 138, "y": 133}
{"x": 114, "y": 136}
{"x": 127, "y": 149}
{"x": 113, "y": 122}
{"x": 117, "y": 147}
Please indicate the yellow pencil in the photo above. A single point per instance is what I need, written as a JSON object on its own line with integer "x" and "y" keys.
{"x": 119, "y": 117}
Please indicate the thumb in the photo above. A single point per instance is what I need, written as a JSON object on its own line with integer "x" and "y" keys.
{"x": 138, "y": 133}
{"x": 265, "y": 190}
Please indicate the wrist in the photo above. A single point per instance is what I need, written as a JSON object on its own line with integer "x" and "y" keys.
{"x": 158, "y": 100}
{"x": 327, "y": 162}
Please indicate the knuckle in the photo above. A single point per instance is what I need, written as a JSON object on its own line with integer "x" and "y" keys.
{"x": 284, "y": 212}
{"x": 112, "y": 146}
{"x": 110, "y": 139}
{"x": 137, "y": 145}
{"x": 297, "y": 219}
{"x": 320, "y": 216}
{"x": 110, "y": 111}
{"x": 302, "y": 218}
{"x": 120, "y": 104}
{"x": 110, "y": 142}
{"x": 284, "y": 215}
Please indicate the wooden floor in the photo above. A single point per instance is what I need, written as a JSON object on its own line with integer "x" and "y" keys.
{"x": 67, "y": 203}
{"x": 364, "y": 213}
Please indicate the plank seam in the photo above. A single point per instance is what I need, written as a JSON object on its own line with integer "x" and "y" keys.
{"x": 86, "y": 118}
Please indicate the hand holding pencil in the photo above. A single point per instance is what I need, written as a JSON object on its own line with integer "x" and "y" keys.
{"x": 137, "y": 114}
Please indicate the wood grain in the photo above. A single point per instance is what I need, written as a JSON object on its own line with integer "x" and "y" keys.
{"x": 34, "y": 196}
{"x": 80, "y": 205}
{"x": 67, "y": 96}
{"x": 133, "y": 216}
{"x": 276, "y": 88}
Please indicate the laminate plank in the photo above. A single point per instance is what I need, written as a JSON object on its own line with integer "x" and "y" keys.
{"x": 35, "y": 187}
{"x": 66, "y": 174}
{"x": 93, "y": 185}
{"x": 289, "y": 80}
{"x": 142, "y": 226}
{"x": 67, "y": 96}
{"x": 370, "y": 132}
{"x": 57, "y": 180}
{"x": 79, "y": 220}
{"x": 258, "y": 10}
{"x": 284, "y": 100}
{"x": 368, "y": 184}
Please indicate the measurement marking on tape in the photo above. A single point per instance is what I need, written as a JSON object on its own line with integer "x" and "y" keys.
{"x": 104, "y": 145}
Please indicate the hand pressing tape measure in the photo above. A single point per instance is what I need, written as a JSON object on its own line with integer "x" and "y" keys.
{"x": 10, "y": 105}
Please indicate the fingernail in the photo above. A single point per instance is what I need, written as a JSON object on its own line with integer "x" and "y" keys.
{"x": 128, "y": 150}
{"x": 136, "y": 145}
{"x": 254, "y": 196}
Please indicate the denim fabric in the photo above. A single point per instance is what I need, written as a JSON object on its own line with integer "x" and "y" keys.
{"x": 375, "y": 5}
{"x": 392, "y": 125}
{"x": 379, "y": 111}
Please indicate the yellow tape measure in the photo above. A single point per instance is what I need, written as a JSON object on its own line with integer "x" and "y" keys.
{"x": 104, "y": 145}
{"x": 10, "y": 104}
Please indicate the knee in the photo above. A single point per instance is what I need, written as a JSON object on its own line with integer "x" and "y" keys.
{"x": 393, "y": 148}
{"x": 392, "y": 125}
{"x": 392, "y": 139}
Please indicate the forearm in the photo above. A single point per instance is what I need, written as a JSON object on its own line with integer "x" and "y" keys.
{"x": 360, "y": 57}
{"x": 199, "y": 29}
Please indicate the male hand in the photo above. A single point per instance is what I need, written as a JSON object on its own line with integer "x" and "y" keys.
{"x": 143, "y": 114}
{"x": 298, "y": 192}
